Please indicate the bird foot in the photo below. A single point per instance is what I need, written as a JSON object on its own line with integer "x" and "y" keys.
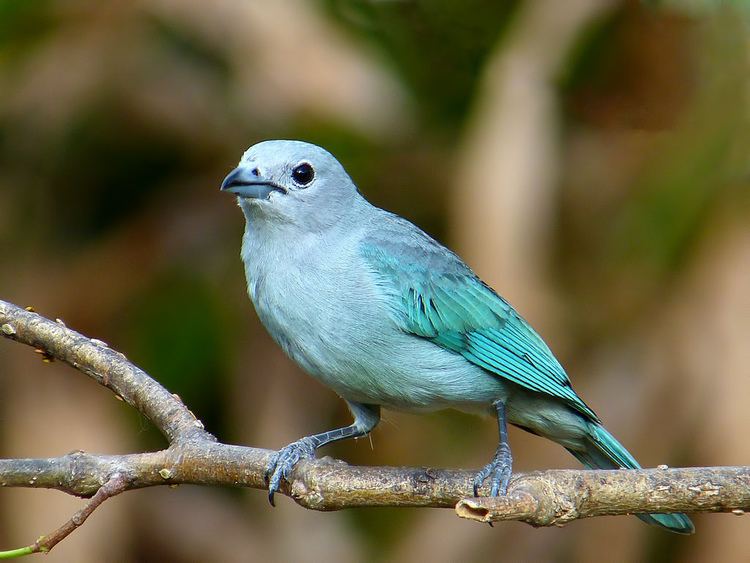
{"x": 282, "y": 463}
{"x": 498, "y": 471}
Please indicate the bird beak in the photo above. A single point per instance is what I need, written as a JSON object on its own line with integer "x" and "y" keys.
{"x": 248, "y": 183}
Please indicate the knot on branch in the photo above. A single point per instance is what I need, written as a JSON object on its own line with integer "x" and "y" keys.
{"x": 526, "y": 501}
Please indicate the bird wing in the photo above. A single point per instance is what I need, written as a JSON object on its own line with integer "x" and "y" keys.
{"x": 437, "y": 297}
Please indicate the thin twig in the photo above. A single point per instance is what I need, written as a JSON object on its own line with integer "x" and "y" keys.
{"x": 116, "y": 484}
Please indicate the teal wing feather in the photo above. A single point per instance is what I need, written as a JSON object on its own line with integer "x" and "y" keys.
{"x": 437, "y": 297}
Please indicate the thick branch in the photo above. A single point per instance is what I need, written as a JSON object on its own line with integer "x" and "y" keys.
{"x": 322, "y": 484}
{"x": 541, "y": 498}
{"x": 553, "y": 498}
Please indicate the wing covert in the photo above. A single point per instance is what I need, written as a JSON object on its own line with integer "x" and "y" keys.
{"x": 436, "y": 296}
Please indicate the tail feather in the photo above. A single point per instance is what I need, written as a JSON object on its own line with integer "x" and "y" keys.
{"x": 603, "y": 451}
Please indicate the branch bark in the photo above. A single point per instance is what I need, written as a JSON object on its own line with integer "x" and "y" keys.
{"x": 554, "y": 498}
{"x": 194, "y": 456}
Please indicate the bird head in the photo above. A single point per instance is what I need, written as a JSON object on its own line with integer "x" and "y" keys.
{"x": 292, "y": 182}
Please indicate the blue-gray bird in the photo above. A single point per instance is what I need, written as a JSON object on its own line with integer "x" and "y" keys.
{"x": 370, "y": 305}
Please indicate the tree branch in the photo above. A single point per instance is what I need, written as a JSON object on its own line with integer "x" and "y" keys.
{"x": 554, "y": 498}
{"x": 195, "y": 457}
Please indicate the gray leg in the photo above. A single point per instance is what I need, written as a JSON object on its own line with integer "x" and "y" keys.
{"x": 281, "y": 464}
{"x": 500, "y": 468}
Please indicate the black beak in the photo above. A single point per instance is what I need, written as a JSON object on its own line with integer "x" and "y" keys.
{"x": 243, "y": 182}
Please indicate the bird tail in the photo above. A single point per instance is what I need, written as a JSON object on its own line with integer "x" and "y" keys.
{"x": 603, "y": 451}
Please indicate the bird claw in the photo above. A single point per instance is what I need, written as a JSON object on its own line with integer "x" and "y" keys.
{"x": 282, "y": 463}
{"x": 498, "y": 471}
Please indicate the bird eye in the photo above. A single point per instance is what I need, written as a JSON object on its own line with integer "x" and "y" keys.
{"x": 303, "y": 174}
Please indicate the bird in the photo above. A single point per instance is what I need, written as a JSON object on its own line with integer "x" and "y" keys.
{"x": 374, "y": 308}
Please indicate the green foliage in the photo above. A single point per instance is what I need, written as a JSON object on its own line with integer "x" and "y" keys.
{"x": 436, "y": 47}
{"x": 23, "y": 25}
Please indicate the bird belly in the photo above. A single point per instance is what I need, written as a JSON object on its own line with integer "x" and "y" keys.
{"x": 409, "y": 373}
{"x": 364, "y": 358}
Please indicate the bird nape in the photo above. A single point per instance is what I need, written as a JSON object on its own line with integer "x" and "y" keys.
{"x": 370, "y": 305}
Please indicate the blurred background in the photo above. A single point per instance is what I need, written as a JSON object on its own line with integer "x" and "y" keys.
{"x": 588, "y": 158}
